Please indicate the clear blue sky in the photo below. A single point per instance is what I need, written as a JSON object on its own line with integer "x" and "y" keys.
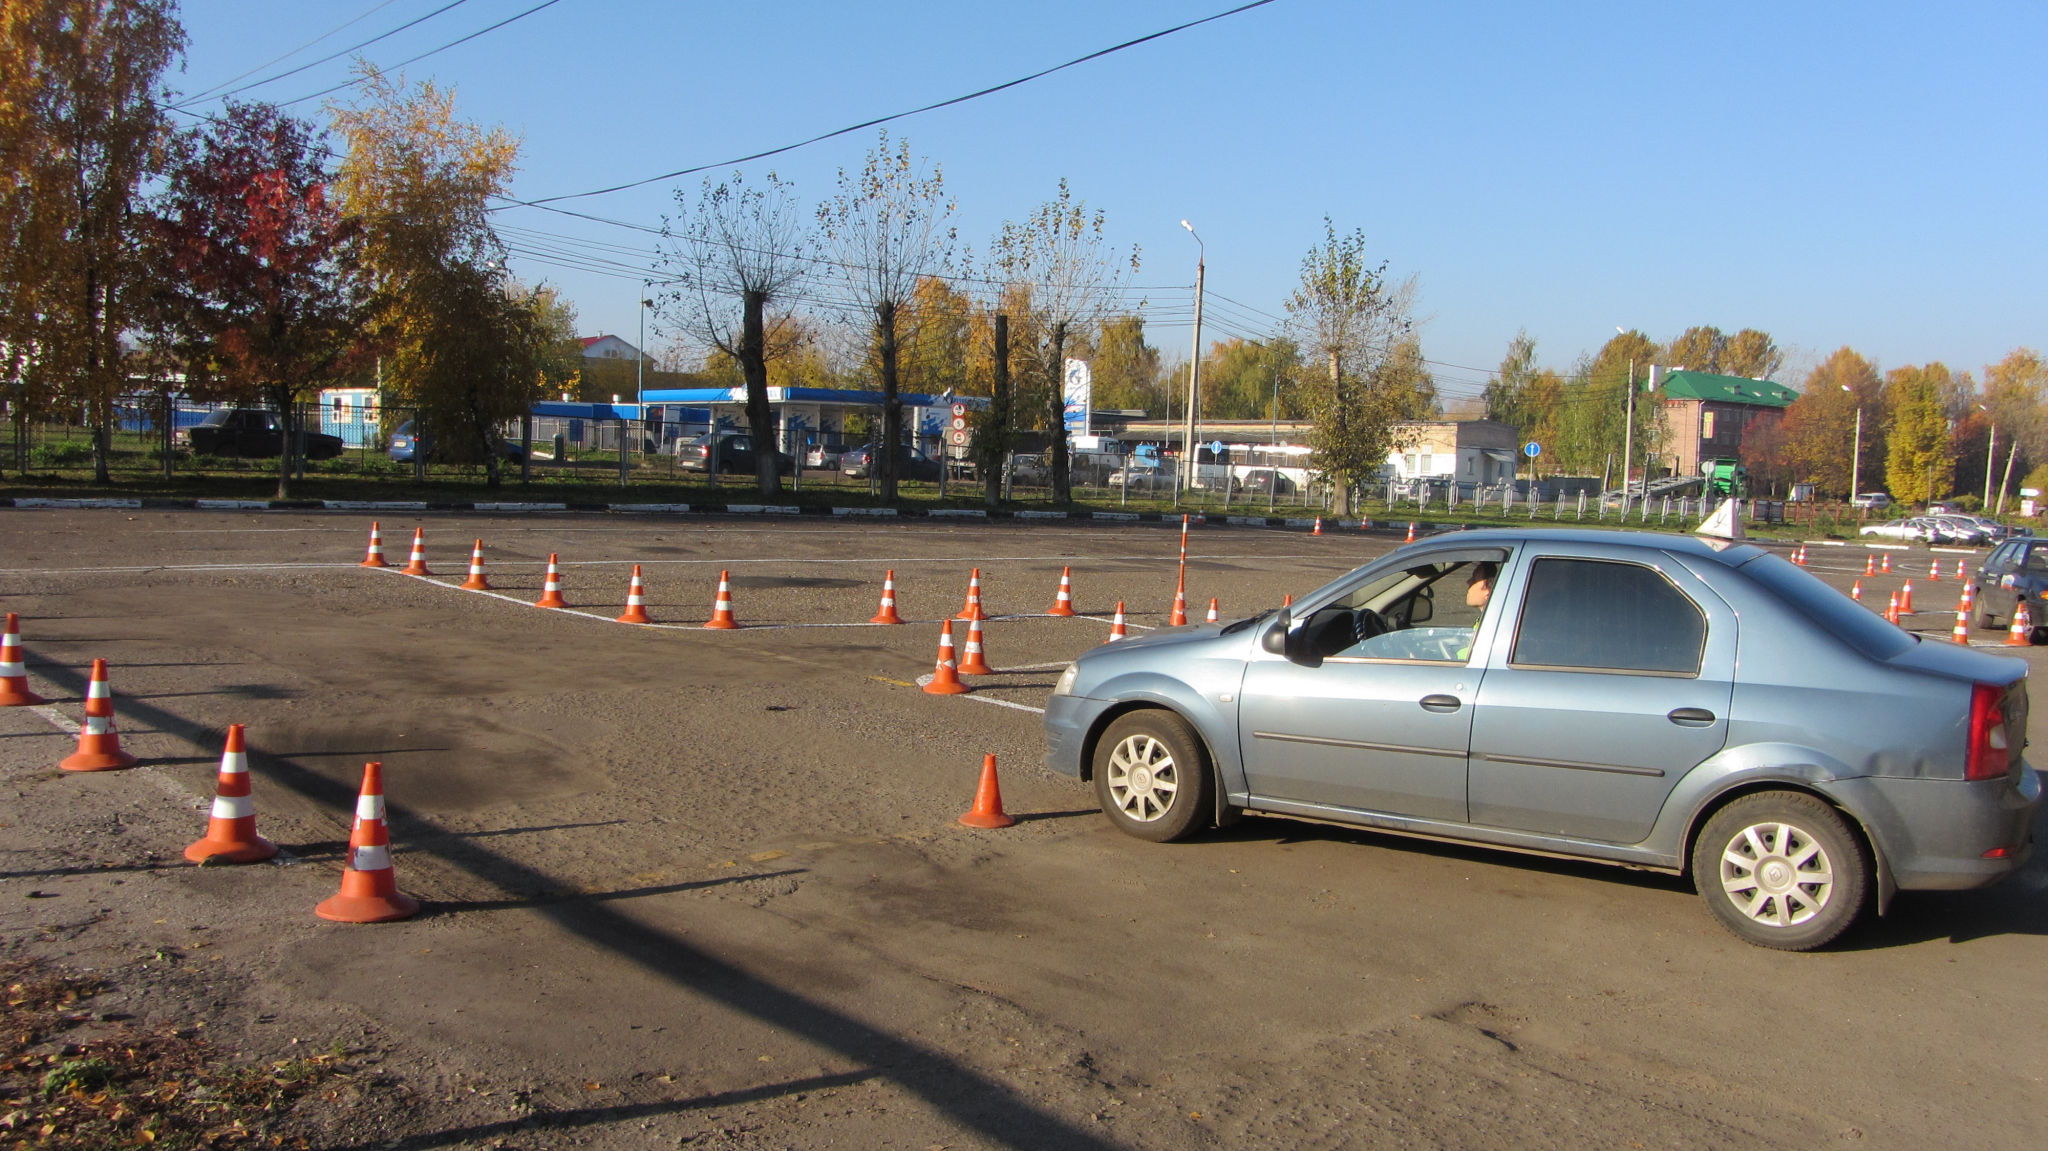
{"x": 1867, "y": 174}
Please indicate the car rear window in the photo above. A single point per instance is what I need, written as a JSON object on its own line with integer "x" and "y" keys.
{"x": 1855, "y": 625}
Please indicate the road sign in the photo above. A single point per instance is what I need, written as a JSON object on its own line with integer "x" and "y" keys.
{"x": 959, "y": 410}
{"x": 959, "y": 423}
{"x": 1215, "y": 447}
{"x": 1532, "y": 449}
{"x": 958, "y": 439}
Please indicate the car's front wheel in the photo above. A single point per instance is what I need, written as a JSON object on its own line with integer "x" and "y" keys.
{"x": 1152, "y": 776}
{"x": 1782, "y": 869}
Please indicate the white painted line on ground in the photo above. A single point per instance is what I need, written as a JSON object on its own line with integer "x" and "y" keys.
{"x": 1003, "y": 703}
{"x": 58, "y": 719}
{"x": 170, "y": 568}
{"x": 1060, "y": 665}
{"x": 68, "y": 726}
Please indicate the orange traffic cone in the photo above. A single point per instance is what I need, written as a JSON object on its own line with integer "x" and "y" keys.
{"x": 1179, "y": 618}
{"x": 1885, "y": 565}
{"x": 1063, "y": 600}
{"x": 972, "y": 661}
{"x": 1906, "y": 599}
{"x": 99, "y": 745}
{"x": 721, "y": 609}
{"x": 231, "y": 829}
{"x": 417, "y": 565}
{"x": 1319, "y": 527}
{"x": 1287, "y": 600}
{"x": 1365, "y": 523}
{"x": 1213, "y": 617}
{"x": 369, "y": 887}
{"x": 1117, "y": 630}
{"x": 945, "y": 676}
{"x": 476, "y": 580}
{"x": 1870, "y": 565}
{"x": 1411, "y": 533}
{"x": 14, "y": 690}
{"x": 551, "y": 587}
{"x": 1962, "y": 570}
{"x": 1799, "y": 557}
{"x": 1933, "y": 571}
{"x": 375, "y": 558}
{"x": 1961, "y": 632}
{"x": 887, "y": 613}
{"x": 1856, "y": 592}
{"x": 988, "y": 800}
{"x": 1891, "y": 609}
{"x": 973, "y": 608}
{"x": 2021, "y": 633}
{"x": 636, "y": 600}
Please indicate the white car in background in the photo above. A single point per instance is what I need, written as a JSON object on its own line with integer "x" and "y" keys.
{"x": 1916, "y": 530}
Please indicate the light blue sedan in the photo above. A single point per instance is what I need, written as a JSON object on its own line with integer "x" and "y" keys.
{"x": 1656, "y": 701}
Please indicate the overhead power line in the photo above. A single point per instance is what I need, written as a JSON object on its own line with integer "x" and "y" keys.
{"x": 336, "y": 55}
{"x": 990, "y": 91}
{"x": 429, "y": 52}
{"x": 350, "y": 23}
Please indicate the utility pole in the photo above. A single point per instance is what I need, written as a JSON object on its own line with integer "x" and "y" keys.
{"x": 1856, "y": 458}
{"x": 1194, "y": 365}
{"x": 1990, "y": 459}
{"x": 2006, "y": 484}
{"x": 1628, "y": 438}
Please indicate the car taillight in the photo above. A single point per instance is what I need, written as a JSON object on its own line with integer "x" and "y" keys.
{"x": 1988, "y": 756}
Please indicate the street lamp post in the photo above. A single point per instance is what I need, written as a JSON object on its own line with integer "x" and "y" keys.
{"x": 1194, "y": 364}
{"x": 1856, "y": 452}
{"x": 1990, "y": 456}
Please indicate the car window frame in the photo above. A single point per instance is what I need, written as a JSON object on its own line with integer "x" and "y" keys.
{"x": 1528, "y": 571}
{"x": 1503, "y": 554}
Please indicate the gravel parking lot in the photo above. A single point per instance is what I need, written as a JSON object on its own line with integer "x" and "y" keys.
{"x": 707, "y": 887}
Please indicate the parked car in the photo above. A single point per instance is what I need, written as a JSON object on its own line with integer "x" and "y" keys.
{"x": 824, "y": 456}
{"x": 1648, "y": 700}
{"x": 1874, "y": 501}
{"x": 1141, "y": 479}
{"x": 731, "y": 452}
{"x": 1259, "y": 481}
{"x": 2015, "y": 571}
{"x": 911, "y": 464}
{"x": 253, "y": 433}
{"x": 404, "y": 444}
{"x": 1963, "y": 529}
{"x": 1915, "y": 530}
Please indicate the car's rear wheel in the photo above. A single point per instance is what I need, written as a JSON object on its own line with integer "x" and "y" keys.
{"x": 1783, "y": 870}
{"x": 1152, "y": 776}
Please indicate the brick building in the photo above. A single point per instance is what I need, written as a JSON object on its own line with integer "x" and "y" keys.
{"x": 1706, "y": 416}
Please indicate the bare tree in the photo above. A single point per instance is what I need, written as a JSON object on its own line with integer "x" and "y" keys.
{"x": 1346, "y": 314}
{"x": 737, "y": 258}
{"x": 887, "y": 230}
{"x": 1058, "y": 251}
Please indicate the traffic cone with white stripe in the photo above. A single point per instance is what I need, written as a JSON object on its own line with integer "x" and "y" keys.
{"x": 721, "y": 608}
{"x": 636, "y": 600}
{"x": 417, "y": 565}
{"x": 1856, "y": 591}
{"x": 1319, "y": 527}
{"x": 988, "y": 800}
{"x": 1179, "y": 618}
{"x": 375, "y": 557}
{"x": 1906, "y": 599}
{"x": 231, "y": 829}
{"x": 1961, "y": 632}
{"x": 1885, "y": 564}
{"x": 1933, "y": 571}
{"x": 1891, "y": 609}
{"x": 369, "y": 886}
{"x": 1117, "y": 630}
{"x": 1063, "y": 600}
{"x": 1213, "y": 617}
{"x": 551, "y": 586}
{"x": 945, "y": 674}
{"x": 973, "y": 608}
{"x": 1962, "y": 570}
{"x": 973, "y": 659}
{"x": 99, "y": 745}
{"x": 1411, "y": 533}
{"x": 1870, "y": 565}
{"x": 2021, "y": 633}
{"x": 14, "y": 690}
{"x": 477, "y": 581}
{"x": 1799, "y": 557}
{"x": 887, "y": 613}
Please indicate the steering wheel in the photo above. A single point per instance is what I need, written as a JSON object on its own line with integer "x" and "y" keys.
{"x": 1371, "y": 623}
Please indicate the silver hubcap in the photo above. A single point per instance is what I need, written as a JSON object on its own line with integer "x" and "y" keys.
{"x": 1776, "y": 874}
{"x": 1142, "y": 778}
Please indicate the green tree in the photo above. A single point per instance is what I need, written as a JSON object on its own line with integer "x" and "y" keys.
{"x": 1126, "y": 367}
{"x": 1918, "y": 462}
{"x": 2015, "y": 393}
{"x": 1241, "y": 379}
{"x": 1347, "y": 319}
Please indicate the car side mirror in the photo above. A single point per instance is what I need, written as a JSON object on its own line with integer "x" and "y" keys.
{"x": 1422, "y": 609}
{"x": 1274, "y": 641}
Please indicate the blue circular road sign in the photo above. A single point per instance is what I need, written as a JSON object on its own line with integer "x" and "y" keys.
{"x": 1532, "y": 449}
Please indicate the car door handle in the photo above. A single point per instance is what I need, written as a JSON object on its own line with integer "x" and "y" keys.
{"x": 1691, "y": 716}
{"x": 1441, "y": 703}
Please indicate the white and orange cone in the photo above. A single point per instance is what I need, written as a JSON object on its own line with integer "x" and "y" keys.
{"x": 477, "y": 581}
{"x": 1117, "y": 629}
{"x": 1319, "y": 527}
{"x": 1179, "y": 618}
{"x": 973, "y": 608}
{"x": 1063, "y": 600}
{"x": 369, "y": 886}
{"x": 14, "y": 690}
{"x": 721, "y": 608}
{"x": 1885, "y": 564}
{"x": 945, "y": 674}
{"x": 231, "y": 829}
{"x": 375, "y": 556}
{"x": 1856, "y": 591}
{"x": 987, "y": 811}
{"x": 1891, "y": 609}
{"x": 417, "y": 565}
{"x": 1213, "y": 617}
{"x": 973, "y": 659}
{"x": 887, "y": 612}
{"x": 1933, "y": 571}
{"x": 1411, "y": 533}
{"x": 1869, "y": 565}
{"x": 1799, "y": 557}
{"x": 636, "y": 600}
{"x": 551, "y": 586}
{"x": 1962, "y": 570}
{"x": 99, "y": 745}
{"x": 2021, "y": 633}
{"x": 1961, "y": 632}
{"x": 1906, "y": 599}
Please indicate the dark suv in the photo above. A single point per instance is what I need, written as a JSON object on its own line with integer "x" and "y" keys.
{"x": 253, "y": 433}
{"x": 728, "y": 453}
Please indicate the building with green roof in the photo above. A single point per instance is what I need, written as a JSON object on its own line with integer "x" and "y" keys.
{"x": 1706, "y": 416}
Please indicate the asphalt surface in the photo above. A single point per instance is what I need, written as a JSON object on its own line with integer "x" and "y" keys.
{"x": 706, "y": 888}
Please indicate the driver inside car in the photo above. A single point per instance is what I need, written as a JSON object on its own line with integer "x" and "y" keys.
{"x": 1429, "y": 612}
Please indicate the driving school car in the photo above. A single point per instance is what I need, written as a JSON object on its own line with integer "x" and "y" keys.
{"x": 1658, "y": 701}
